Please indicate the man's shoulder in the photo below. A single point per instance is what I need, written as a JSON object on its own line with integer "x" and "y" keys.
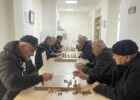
{"x": 88, "y": 44}
{"x": 107, "y": 51}
{"x": 7, "y": 55}
{"x": 43, "y": 45}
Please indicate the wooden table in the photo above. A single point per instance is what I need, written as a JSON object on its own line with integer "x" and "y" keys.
{"x": 58, "y": 68}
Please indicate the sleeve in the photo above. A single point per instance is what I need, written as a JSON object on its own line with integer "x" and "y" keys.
{"x": 38, "y": 58}
{"x": 87, "y": 53}
{"x": 50, "y": 55}
{"x": 128, "y": 90}
{"x": 90, "y": 65}
{"x": 102, "y": 78}
{"x": 104, "y": 64}
{"x": 12, "y": 78}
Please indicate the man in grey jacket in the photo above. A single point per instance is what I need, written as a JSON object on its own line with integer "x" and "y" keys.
{"x": 16, "y": 69}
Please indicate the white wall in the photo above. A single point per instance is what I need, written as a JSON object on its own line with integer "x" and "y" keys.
{"x": 130, "y": 24}
{"x": 75, "y": 24}
{"x": 103, "y": 5}
{"x": 22, "y": 26}
{"x": 4, "y": 29}
{"x": 49, "y": 10}
{"x": 11, "y": 24}
{"x": 112, "y": 22}
{"x": 12, "y": 19}
{"x": 18, "y": 18}
{"x": 109, "y": 13}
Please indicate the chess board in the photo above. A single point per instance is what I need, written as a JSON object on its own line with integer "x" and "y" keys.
{"x": 59, "y": 82}
{"x": 65, "y": 59}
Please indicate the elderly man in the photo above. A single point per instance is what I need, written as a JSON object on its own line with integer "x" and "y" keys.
{"x": 54, "y": 48}
{"x": 58, "y": 46}
{"x": 78, "y": 47}
{"x": 16, "y": 69}
{"x": 86, "y": 48}
{"x": 104, "y": 60}
{"x": 47, "y": 47}
{"x": 125, "y": 77}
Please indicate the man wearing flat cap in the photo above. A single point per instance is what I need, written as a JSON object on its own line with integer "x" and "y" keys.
{"x": 124, "y": 79}
{"x": 16, "y": 69}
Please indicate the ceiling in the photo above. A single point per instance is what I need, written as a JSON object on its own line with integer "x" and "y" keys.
{"x": 81, "y": 6}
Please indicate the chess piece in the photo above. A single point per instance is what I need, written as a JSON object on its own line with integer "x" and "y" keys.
{"x": 75, "y": 82}
{"x": 73, "y": 77}
{"x": 65, "y": 81}
{"x": 69, "y": 83}
{"x": 42, "y": 82}
{"x": 74, "y": 93}
{"x": 63, "y": 55}
{"x": 59, "y": 94}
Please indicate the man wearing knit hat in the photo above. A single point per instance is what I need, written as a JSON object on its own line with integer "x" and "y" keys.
{"x": 16, "y": 69}
{"x": 124, "y": 79}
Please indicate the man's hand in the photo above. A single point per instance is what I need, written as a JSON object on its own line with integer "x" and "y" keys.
{"x": 95, "y": 84}
{"x": 90, "y": 87}
{"x": 81, "y": 74}
{"x": 58, "y": 54}
{"x": 47, "y": 76}
{"x": 80, "y": 66}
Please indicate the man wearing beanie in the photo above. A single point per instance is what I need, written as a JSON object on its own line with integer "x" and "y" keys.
{"x": 124, "y": 79}
{"x": 16, "y": 69}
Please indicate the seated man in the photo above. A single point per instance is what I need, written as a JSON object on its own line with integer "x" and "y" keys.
{"x": 54, "y": 47}
{"x": 78, "y": 47}
{"x": 124, "y": 79}
{"x": 47, "y": 47}
{"x": 103, "y": 60}
{"x": 16, "y": 69}
{"x": 86, "y": 49}
{"x": 57, "y": 44}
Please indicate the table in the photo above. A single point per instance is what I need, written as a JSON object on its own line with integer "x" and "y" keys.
{"x": 58, "y": 68}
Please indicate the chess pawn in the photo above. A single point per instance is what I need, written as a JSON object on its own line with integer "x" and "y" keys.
{"x": 73, "y": 77}
{"x": 63, "y": 55}
{"x": 60, "y": 93}
{"x": 65, "y": 81}
{"x": 75, "y": 81}
{"x": 71, "y": 56}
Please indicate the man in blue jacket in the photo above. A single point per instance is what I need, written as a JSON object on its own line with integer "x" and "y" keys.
{"x": 45, "y": 46}
{"x": 86, "y": 49}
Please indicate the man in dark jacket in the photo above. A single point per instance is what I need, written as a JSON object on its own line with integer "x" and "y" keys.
{"x": 16, "y": 69}
{"x": 57, "y": 44}
{"x": 54, "y": 47}
{"x": 45, "y": 46}
{"x": 103, "y": 60}
{"x": 125, "y": 77}
{"x": 86, "y": 49}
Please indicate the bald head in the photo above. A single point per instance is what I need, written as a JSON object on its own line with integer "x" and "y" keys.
{"x": 97, "y": 47}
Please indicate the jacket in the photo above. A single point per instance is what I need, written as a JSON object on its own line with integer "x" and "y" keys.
{"x": 16, "y": 74}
